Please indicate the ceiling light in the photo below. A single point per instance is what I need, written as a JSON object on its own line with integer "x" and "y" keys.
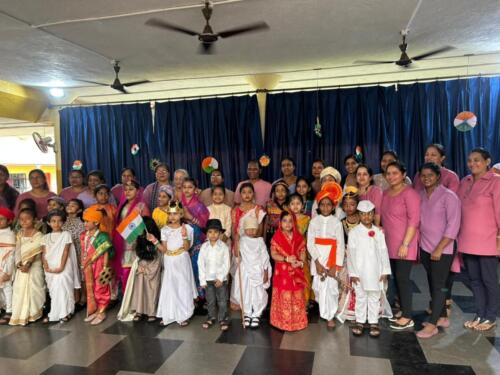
{"x": 56, "y": 92}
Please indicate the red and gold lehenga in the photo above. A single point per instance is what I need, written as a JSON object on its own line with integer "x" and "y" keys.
{"x": 288, "y": 309}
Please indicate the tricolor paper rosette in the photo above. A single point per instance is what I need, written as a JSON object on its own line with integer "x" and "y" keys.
{"x": 209, "y": 164}
{"x": 153, "y": 163}
{"x": 134, "y": 150}
{"x": 465, "y": 121}
{"x": 77, "y": 165}
{"x": 264, "y": 160}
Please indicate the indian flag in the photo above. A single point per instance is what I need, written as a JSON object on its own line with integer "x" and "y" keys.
{"x": 131, "y": 227}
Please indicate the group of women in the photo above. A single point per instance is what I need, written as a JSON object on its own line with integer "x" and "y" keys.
{"x": 446, "y": 224}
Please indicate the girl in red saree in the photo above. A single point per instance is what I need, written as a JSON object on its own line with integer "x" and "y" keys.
{"x": 288, "y": 249}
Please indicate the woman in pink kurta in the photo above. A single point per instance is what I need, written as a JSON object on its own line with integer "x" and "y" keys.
{"x": 400, "y": 219}
{"x": 479, "y": 237}
{"x": 435, "y": 153}
{"x": 76, "y": 180}
{"x": 367, "y": 190}
{"x": 39, "y": 192}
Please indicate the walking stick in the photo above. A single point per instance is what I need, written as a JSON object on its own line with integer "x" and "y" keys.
{"x": 241, "y": 293}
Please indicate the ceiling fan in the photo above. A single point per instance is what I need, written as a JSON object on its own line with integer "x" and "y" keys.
{"x": 208, "y": 37}
{"x": 405, "y": 60}
{"x": 117, "y": 85}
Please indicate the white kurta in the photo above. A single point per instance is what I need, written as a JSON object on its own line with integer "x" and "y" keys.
{"x": 61, "y": 285}
{"x": 7, "y": 267}
{"x": 368, "y": 259}
{"x": 178, "y": 287}
{"x": 254, "y": 264}
{"x": 326, "y": 291}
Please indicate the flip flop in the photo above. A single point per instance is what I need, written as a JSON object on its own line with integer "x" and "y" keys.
{"x": 207, "y": 324}
{"x": 485, "y": 325}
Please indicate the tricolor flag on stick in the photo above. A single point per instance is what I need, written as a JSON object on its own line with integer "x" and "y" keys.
{"x": 131, "y": 227}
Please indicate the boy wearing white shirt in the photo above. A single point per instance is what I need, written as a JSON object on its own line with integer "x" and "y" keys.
{"x": 368, "y": 266}
{"x": 213, "y": 268}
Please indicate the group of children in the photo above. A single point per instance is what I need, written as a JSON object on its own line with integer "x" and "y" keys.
{"x": 341, "y": 264}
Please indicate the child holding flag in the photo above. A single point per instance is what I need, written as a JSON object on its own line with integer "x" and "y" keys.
{"x": 129, "y": 227}
{"x": 97, "y": 251}
{"x": 325, "y": 243}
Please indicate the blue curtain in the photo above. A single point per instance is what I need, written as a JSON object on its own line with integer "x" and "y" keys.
{"x": 380, "y": 118}
{"x": 225, "y": 128}
{"x": 102, "y": 136}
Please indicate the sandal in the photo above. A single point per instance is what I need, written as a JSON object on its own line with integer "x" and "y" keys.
{"x": 208, "y": 324}
{"x": 471, "y": 324}
{"x": 66, "y": 318}
{"x": 255, "y": 323}
{"x": 247, "y": 321}
{"x": 98, "y": 319}
{"x": 485, "y": 325}
{"x": 374, "y": 331}
{"x": 184, "y": 323}
{"x": 151, "y": 319}
{"x": 224, "y": 325}
{"x": 89, "y": 318}
{"x": 357, "y": 329}
{"x": 330, "y": 325}
{"x": 137, "y": 317}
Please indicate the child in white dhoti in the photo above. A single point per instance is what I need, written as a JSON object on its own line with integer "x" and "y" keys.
{"x": 325, "y": 243}
{"x": 7, "y": 262}
{"x": 61, "y": 268}
{"x": 178, "y": 287}
{"x": 368, "y": 266}
{"x": 254, "y": 275}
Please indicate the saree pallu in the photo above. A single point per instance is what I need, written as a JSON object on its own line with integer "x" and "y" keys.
{"x": 200, "y": 217}
{"x": 288, "y": 308}
{"x": 28, "y": 296}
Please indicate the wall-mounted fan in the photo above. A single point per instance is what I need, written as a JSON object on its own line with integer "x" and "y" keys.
{"x": 43, "y": 143}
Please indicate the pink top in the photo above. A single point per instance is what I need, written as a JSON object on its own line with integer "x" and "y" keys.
{"x": 68, "y": 193}
{"x": 439, "y": 217}
{"x": 41, "y": 203}
{"x": 398, "y": 213}
{"x": 374, "y": 195}
{"x": 262, "y": 192}
{"x": 480, "y": 215}
{"x": 449, "y": 179}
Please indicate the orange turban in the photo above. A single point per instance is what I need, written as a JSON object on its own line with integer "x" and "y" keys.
{"x": 330, "y": 190}
{"x": 92, "y": 214}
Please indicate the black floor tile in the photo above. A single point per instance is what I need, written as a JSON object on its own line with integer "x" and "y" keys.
{"x": 28, "y": 341}
{"x": 136, "y": 353}
{"x": 406, "y": 368}
{"x": 389, "y": 345}
{"x": 141, "y": 328}
{"x": 265, "y": 336}
{"x": 66, "y": 370}
{"x": 264, "y": 361}
{"x": 495, "y": 341}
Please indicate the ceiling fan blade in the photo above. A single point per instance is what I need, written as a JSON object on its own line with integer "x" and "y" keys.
{"x": 93, "y": 82}
{"x": 134, "y": 83}
{"x": 433, "y": 52}
{"x": 121, "y": 89}
{"x": 373, "y": 62}
{"x": 257, "y": 26}
{"x": 206, "y": 49}
{"x": 156, "y": 22}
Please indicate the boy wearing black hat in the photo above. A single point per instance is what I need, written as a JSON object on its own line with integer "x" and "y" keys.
{"x": 213, "y": 268}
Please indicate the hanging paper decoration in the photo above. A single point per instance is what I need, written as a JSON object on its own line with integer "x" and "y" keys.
{"x": 209, "y": 164}
{"x": 77, "y": 165}
{"x": 317, "y": 128}
{"x": 359, "y": 154}
{"x": 465, "y": 121}
{"x": 134, "y": 150}
{"x": 153, "y": 163}
{"x": 264, "y": 160}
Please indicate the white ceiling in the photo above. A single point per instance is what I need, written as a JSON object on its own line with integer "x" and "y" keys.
{"x": 305, "y": 35}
